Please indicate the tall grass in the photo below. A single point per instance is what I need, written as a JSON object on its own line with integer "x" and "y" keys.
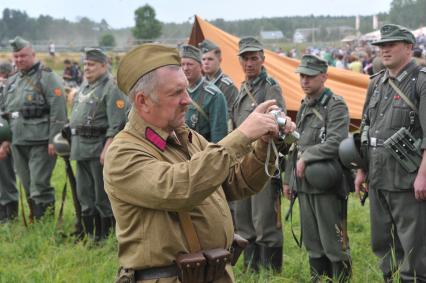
{"x": 41, "y": 253}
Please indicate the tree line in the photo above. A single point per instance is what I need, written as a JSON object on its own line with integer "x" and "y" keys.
{"x": 86, "y": 32}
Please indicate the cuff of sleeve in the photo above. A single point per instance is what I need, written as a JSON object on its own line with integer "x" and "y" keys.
{"x": 423, "y": 145}
{"x": 237, "y": 144}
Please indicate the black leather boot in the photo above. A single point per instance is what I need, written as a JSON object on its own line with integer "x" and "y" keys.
{"x": 98, "y": 227}
{"x": 342, "y": 271}
{"x": 271, "y": 258}
{"x": 12, "y": 210}
{"x": 320, "y": 267}
{"x": 88, "y": 226}
{"x": 107, "y": 226}
{"x": 3, "y": 213}
{"x": 252, "y": 257}
{"x": 41, "y": 209}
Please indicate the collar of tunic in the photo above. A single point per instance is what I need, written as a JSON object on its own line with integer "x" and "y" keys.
{"x": 155, "y": 135}
{"x": 197, "y": 85}
{"x": 402, "y": 74}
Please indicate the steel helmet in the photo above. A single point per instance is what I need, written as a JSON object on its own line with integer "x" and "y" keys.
{"x": 349, "y": 152}
{"x": 5, "y": 132}
{"x": 62, "y": 146}
{"x": 324, "y": 175}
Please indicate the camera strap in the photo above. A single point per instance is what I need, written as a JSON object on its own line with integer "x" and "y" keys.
{"x": 277, "y": 171}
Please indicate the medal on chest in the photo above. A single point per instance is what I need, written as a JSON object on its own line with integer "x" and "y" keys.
{"x": 194, "y": 120}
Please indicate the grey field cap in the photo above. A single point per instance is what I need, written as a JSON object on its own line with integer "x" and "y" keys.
{"x": 311, "y": 65}
{"x": 95, "y": 54}
{"x": 207, "y": 46}
{"x": 19, "y": 43}
{"x": 189, "y": 51}
{"x": 392, "y": 33}
{"x": 249, "y": 44}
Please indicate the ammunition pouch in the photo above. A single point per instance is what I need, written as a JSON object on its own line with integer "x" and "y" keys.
{"x": 204, "y": 266}
{"x": 238, "y": 246}
{"x": 191, "y": 267}
{"x": 88, "y": 131}
{"x": 34, "y": 111}
{"x": 125, "y": 275}
{"x": 405, "y": 149}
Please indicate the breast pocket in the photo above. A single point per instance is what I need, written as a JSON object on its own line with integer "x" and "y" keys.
{"x": 315, "y": 131}
{"x": 372, "y": 106}
{"x": 400, "y": 116}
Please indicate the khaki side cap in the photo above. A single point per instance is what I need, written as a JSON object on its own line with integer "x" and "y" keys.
{"x": 143, "y": 59}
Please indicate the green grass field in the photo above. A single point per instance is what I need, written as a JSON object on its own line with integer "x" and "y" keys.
{"x": 40, "y": 253}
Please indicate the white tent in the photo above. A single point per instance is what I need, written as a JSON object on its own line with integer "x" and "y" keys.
{"x": 374, "y": 35}
{"x": 419, "y": 32}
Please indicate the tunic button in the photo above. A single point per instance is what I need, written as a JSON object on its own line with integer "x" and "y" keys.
{"x": 376, "y": 131}
{"x": 386, "y": 97}
{"x": 381, "y": 114}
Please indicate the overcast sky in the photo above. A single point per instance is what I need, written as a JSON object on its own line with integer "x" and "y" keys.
{"x": 120, "y": 13}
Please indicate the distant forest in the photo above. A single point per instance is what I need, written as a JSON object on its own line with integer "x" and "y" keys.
{"x": 86, "y": 32}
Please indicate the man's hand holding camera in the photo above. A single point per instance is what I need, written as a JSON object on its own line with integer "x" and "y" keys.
{"x": 262, "y": 124}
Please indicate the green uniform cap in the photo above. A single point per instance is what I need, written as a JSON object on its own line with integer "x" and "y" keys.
{"x": 5, "y": 67}
{"x": 143, "y": 59}
{"x": 189, "y": 51}
{"x": 248, "y": 44}
{"x": 18, "y": 43}
{"x": 207, "y": 46}
{"x": 311, "y": 65}
{"x": 392, "y": 33}
{"x": 95, "y": 54}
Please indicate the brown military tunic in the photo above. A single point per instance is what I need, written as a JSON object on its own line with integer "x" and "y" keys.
{"x": 148, "y": 182}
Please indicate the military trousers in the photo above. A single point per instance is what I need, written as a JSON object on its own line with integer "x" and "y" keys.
{"x": 323, "y": 223}
{"x": 34, "y": 168}
{"x": 8, "y": 191}
{"x": 398, "y": 233}
{"x": 90, "y": 188}
{"x": 255, "y": 218}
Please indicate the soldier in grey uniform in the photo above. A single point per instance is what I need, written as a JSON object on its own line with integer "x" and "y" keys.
{"x": 396, "y": 98}
{"x": 323, "y": 122}
{"x": 207, "y": 113}
{"x": 211, "y": 60}
{"x": 36, "y": 107}
{"x": 256, "y": 218}
{"x": 98, "y": 114}
{"x": 8, "y": 191}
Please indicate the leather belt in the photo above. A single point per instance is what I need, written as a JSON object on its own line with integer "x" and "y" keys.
{"x": 375, "y": 142}
{"x": 156, "y": 272}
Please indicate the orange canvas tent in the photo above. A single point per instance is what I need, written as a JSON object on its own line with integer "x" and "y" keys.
{"x": 350, "y": 85}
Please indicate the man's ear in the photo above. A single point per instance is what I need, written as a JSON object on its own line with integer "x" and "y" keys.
{"x": 142, "y": 102}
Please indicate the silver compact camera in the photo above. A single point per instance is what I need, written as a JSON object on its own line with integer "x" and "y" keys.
{"x": 281, "y": 121}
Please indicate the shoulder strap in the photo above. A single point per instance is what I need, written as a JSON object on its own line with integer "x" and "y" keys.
{"x": 249, "y": 93}
{"x": 403, "y": 96}
{"x": 184, "y": 216}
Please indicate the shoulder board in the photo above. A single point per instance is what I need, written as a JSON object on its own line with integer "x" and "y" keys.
{"x": 211, "y": 89}
{"x": 423, "y": 70}
{"x": 226, "y": 80}
{"x": 46, "y": 69}
{"x": 271, "y": 81}
{"x": 378, "y": 73}
{"x": 337, "y": 97}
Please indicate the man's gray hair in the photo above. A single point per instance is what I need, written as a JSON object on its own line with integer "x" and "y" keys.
{"x": 148, "y": 84}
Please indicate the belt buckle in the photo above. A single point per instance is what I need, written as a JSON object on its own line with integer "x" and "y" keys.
{"x": 373, "y": 141}
{"x": 73, "y": 131}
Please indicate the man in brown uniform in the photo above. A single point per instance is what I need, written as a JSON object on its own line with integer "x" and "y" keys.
{"x": 396, "y": 99}
{"x": 166, "y": 183}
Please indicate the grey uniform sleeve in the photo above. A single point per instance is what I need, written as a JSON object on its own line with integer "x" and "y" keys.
{"x": 55, "y": 96}
{"x": 421, "y": 90}
{"x": 116, "y": 107}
